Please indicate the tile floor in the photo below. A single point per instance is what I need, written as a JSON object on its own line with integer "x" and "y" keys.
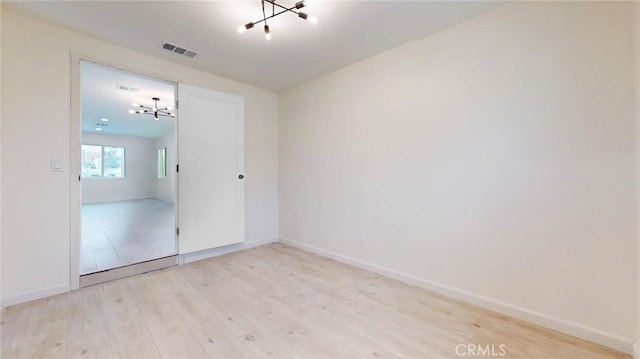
{"x": 126, "y": 232}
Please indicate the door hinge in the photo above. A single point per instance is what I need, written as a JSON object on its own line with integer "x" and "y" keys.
{"x": 177, "y": 231}
{"x": 79, "y": 178}
{"x": 177, "y": 104}
{"x": 177, "y": 168}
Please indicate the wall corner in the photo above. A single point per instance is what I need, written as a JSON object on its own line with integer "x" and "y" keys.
{"x": 636, "y": 65}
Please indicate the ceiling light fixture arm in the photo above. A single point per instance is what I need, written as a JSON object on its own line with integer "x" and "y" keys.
{"x": 273, "y": 2}
{"x": 268, "y": 17}
{"x": 294, "y": 9}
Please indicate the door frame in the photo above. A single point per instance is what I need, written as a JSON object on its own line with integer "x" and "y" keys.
{"x": 75, "y": 140}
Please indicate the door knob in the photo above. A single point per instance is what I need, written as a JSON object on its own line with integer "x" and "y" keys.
{"x": 240, "y": 176}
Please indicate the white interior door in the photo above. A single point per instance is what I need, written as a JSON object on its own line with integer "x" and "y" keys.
{"x": 211, "y": 169}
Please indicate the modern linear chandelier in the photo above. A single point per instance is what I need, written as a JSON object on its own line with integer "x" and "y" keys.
{"x": 155, "y": 111}
{"x": 294, "y": 9}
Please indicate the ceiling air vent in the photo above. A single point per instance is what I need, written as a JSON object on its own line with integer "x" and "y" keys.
{"x": 179, "y": 50}
{"x": 126, "y": 88}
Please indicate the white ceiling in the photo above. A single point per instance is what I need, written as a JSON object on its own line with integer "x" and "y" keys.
{"x": 347, "y": 32}
{"x": 100, "y": 99}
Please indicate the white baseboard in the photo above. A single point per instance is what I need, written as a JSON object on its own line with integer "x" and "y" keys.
{"x": 39, "y": 294}
{"x": 636, "y": 349}
{"x": 210, "y": 253}
{"x": 124, "y": 199}
{"x": 593, "y": 335}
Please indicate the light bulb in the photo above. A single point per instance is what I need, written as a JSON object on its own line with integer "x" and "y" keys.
{"x": 132, "y": 111}
{"x": 241, "y": 29}
{"x": 267, "y": 32}
{"x": 313, "y": 19}
{"x": 135, "y": 105}
{"x": 98, "y": 129}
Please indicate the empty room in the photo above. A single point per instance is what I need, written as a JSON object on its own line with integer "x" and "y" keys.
{"x": 320, "y": 179}
{"x": 128, "y": 206}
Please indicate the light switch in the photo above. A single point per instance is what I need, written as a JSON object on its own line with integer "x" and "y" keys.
{"x": 56, "y": 166}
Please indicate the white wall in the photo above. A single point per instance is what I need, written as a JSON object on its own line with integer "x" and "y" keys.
{"x": 636, "y": 18}
{"x": 35, "y": 202}
{"x": 1, "y": 218}
{"x": 140, "y": 170}
{"x": 165, "y": 187}
{"x": 493, "y": 161}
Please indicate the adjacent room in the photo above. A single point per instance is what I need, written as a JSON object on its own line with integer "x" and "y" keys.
{"x": 320, "y": 179}
{"x": 128, "y": 193}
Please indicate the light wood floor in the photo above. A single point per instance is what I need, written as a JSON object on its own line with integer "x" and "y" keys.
{"x": 272, "y": 301}
{"x": 121, "y": 233}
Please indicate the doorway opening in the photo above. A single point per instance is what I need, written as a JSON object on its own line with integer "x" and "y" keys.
{"x": 128, "y": 194}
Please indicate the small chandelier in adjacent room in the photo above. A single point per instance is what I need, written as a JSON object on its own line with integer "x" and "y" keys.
{"x": 155, "y": 110}
{"x": 282, "y": 9}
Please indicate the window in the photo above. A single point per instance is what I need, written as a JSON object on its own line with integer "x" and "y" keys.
{"x": 102, "y": 161}
{"x": 162, "y": 163}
